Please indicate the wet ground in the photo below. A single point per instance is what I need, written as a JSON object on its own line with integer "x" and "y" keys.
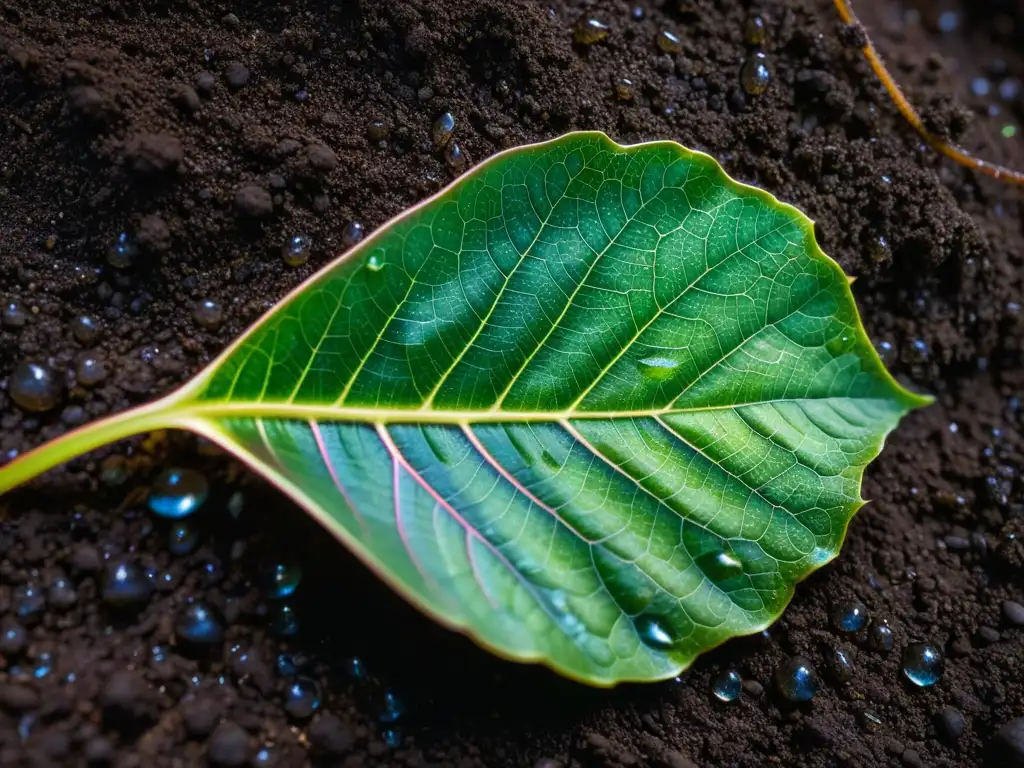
{"x": 213, "y": 133}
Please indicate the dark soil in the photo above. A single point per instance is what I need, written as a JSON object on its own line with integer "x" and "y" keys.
{"x": 212, "y": 131}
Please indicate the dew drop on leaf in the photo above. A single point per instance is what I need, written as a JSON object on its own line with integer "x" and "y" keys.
{"x": 657, "y": 368}
{"x": 653, "y": 632}
{"x": 375, "y": 263}
{"x": 720, "y": 566}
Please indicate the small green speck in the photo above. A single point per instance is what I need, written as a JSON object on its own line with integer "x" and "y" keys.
{"x": 1009, "y": 131}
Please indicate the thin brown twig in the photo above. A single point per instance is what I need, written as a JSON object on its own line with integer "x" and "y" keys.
{"x": 952, "y": 151}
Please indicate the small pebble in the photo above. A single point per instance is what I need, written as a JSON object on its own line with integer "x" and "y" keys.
{"x": 229, "y": 745}
{"x": 200, "y": 714}
{"x": 988, "y": 635}
{"x": 1013, "y": 612}
{"x": 1010, "y": 739}
{"x": 331, "y": 736}
{"x": 950, "y": 723}
{"x": 34, "y": 387}
{"x": 125, "y": 693}
{"x": 236, "y": 75}
{"x": 281, "y": 578}
{"x": 589, "y": 31}
{"x": 253, "y": 201}
{"x": 880, "y": 638}
{"x": 61, "y": 593}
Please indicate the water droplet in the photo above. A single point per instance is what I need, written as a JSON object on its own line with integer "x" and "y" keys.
{"x": 392, "y": 738}
{"x": 455, "y": 158}
{"x": 653, "y": 632}
{"x": 393, "y": 708}
{"x": 849, "y": 615}
{"x": 121, "y": 254}
{"x": 13, "y": 315}
{"x": 657, "y": 368}
{"x": 178, "y": 493}
{"x": 378, "y": 131}
{"x": 29, "y": 600}
{"x": 949, "y": 21}
{"x": 754, "y": 76}
{"x": 281, "y": 578}
{"x": 34, "y": 387}
{"x": 86, "y": 330}
{"x": 727, "y": 686}
{"x": 302, "y": 698}
{"x": 356, "y": 668}
{"x": 44, "y": 665}
{"x": 286, "y": 666}
{"x": 980, "y": 86}
{"x": 590, "y": 31}
{"x": 442, "y": 130}
{"x": 668, "y": 42}
{"x": 126, "y": 584}
{"x": 61, "y": 593}
{"x": 352, "y": 234}
{"x": 754, "y": 30}
{"x": 13, "y": 638}
{"x": 283, "y": 620}
{"x": 839, "y": 665}
{"x": 624, "y": 89}
{"x": 182, "y": 538}
{"x": 199, "y": 624}
{"x": 266, "y": 756}
{"x": 720, "y": 566}
{"x": 922, "y": 664}
{"x": 879, "y": 251}
{"x": 90, "y": 372}
{"x": 375, "y": 263}
{"x": 795, "y": 679}
{"x": 296, "y": 250}
{"x": 208, "y": 314}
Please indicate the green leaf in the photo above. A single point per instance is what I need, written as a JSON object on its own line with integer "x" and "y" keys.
{"x": 596, "y": 406}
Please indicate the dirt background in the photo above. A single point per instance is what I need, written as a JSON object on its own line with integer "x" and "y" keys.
{"x": 138, "y": 117}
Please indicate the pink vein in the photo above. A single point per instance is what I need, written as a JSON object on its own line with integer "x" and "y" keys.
{"x": 325, "y": 456}
{"x": 397, "y": 457}
{"x": 475, "y": 441}
{"x": 400, "y": 523}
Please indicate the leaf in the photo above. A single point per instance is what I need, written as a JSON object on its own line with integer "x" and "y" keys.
{"x": 597, "y": 406}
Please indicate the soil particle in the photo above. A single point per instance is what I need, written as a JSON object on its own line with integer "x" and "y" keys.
{"x": 1010, "y": 740}
{"x": 229, "y": 745}
{"x": 950, "y": 723}
{"x": 254, "y": 202}
{"x": 153, "y": 153}
{"x": 330, "y": 735}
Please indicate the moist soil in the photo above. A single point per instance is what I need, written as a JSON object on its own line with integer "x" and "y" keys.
{"x": 212, "y": 132}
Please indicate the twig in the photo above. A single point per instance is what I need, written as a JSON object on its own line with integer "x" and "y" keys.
{"x": 952, "y": 151}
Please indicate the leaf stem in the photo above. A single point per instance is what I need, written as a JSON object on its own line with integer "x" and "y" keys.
{"x": 952, "y": 151}
{"x": 84, "y": 439}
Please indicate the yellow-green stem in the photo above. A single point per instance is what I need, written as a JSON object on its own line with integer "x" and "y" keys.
{"x": 145, "y": 418}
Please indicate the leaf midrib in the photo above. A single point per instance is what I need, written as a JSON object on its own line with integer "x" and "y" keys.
{"x": 212, "y": 410}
